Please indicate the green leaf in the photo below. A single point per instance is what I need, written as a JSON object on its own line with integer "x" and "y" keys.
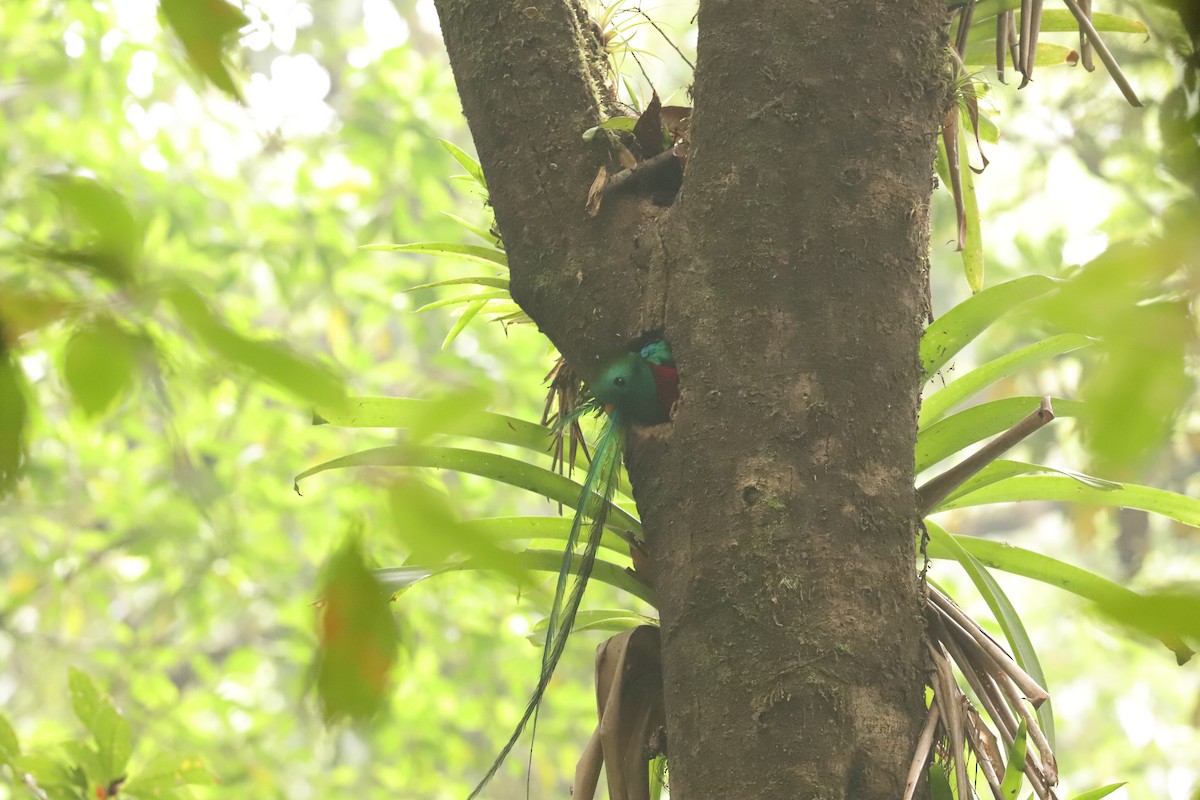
{"x": 57, "y": 779}
{"x": 939, "y": 783}
{"x": 401, "y": 578}
{"x": 548, "y": 484}
{"x": 955, "y": 329}
{"x": 109, "y": 729}
{"x": 946, "y": 437}
{"x": 359, "y": 640}
{"x": 206, "y": 31}
{"x": 272, "y": 361}
{"x": 1050, "y": 571}
{"x": 1005, "y": 614}
{"x": 613, "y": 620}
{"x": 1054, "y": 20}
{"x": 431, "y": 532}
{"x": 1014, "y": 769}
{"x": 469, "y": 313}
{"x": 98, "y": 365}
{"x": 102, "y": 211}
{"x": 1070, "y": 490}
{"x": 484, "y": 280}
{"x": 1061, "y": 20}
{"x": 474, "y": 252}
{"x": 972, "y": 251}
{"x": 83, "y": 755}
{"x": 1173, "y": 612}
{"x": 10, "y": 746}
{"x": 440, "y": 415}
{"x": 466, "y": 299}
{"x": 165, "y": 772}
{"x": 14, "y": 418}
{"x": 482, "y": 233}
{"x": 965, "y": 386}
{"x": 610, "y": 124}
{"x": 982, "y": 53}
{"x": 1001, "y": 468}
{"x": 529, "y": 528}
{"x": 466, "y": 161}
{"x": 1096, "y": 794}
{"x": 988, "y": 132}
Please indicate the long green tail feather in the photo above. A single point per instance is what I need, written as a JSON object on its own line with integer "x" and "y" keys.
{"x": 598, "y": 489}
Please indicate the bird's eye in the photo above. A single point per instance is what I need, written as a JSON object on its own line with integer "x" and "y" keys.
{"x": 619, "y": 381}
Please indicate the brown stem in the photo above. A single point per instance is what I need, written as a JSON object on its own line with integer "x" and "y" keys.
{"x": 939, "y": 488}
{"x": 644, "y": 169}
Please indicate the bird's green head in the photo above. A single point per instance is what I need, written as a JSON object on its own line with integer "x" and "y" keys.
{"x": 627, "y": 385}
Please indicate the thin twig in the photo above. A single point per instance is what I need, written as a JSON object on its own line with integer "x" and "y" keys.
{"x": 666, "y": 38}
{"x": 939, "y": 488}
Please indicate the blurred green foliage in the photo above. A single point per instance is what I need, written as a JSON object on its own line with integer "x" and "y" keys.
{"x": 181, "y": 213}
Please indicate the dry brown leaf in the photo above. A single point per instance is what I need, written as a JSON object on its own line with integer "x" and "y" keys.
{"x": 596, "y": 192}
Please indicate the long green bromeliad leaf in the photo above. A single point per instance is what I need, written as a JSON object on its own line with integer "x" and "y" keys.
{"x": 1100, "y": 792}
{"x": 466, "y": 161}
{"x": 490, "y": 281}
{"x": 1004, "y": 612}
{"x": 1002, "y": 469}
{"x": 456, "y": 415}
{"x": 612, "y": 620}
{"x": 469, "y": 313}
{"x": 1014, "y": 768}
{"x": 982, "y": 53}
{"x": 531, "y": 528}
{"x": 1050, "y": 571}
{"x": 435, "y": 416}
{"x": 972, "y": 246}
{"x": 548, "y": 484}
{"x": 482, "y": 233}
{"x": 955, "y": 329}
{"x": 1054, "y": 20}
{"x": 965, "y": 386}
{"x": 446, "y": 302}
{"x": 398, "y": 579}
{"x": 1071, "y": 490}
{"x": 475, "y": 252}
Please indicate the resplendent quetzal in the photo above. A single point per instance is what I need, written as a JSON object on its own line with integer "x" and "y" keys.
{"x": 638, "y": 388}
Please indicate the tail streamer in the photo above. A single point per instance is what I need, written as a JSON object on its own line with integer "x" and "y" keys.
{"x": 594, "y": 502}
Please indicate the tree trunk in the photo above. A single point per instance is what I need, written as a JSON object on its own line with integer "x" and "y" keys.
{"x": 790, "y": 278}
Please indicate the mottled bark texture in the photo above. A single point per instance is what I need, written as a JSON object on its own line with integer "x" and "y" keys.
{"x": 790, "y": 277}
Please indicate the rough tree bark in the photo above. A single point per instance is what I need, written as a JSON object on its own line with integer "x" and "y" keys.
{"x": 790, "y": 277}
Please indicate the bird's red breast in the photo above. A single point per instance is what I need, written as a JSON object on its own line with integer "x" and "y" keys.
{"x": 666, "y": 380}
